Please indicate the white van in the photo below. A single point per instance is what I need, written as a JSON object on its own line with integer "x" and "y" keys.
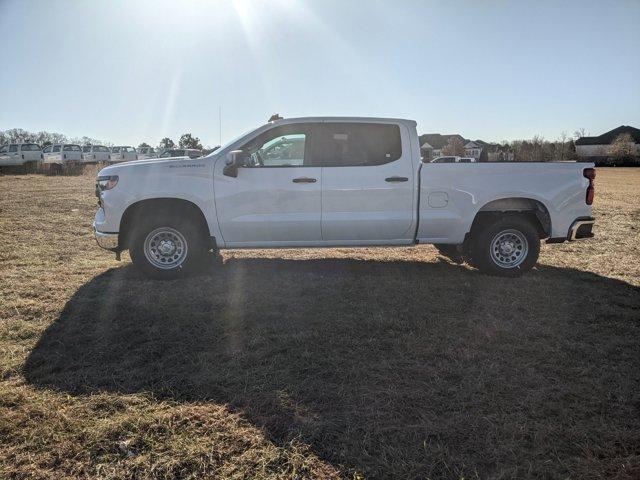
{"x": 20, "y": 154}
{"x": 146, "y": 152}
{"x": 95, "y": 154}
{"x": 123, "y": 154}
{"x": 62, "y": 154}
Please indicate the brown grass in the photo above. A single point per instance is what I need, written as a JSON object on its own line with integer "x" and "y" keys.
{"x": 383, "y": 363}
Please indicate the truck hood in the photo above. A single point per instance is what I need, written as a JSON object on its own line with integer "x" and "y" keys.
{"x": 157, "y": 165}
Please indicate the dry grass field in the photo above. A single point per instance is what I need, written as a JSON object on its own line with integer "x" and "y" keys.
{"x": 367, "y": 363}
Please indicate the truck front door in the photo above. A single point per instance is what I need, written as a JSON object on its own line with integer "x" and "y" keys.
{"x": 276, "y": 198}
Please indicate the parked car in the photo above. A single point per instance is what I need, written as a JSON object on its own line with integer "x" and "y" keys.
{"x": 95, "y": 154}
{"x": 453, "y": 159}
{"x": 27, "y": 155}
{"x": 345, "y": 182}
{"x": 62, "y": 154}
{"x": 123, "y": 154}
{"x": 146, "y": 152}
{"x": 181, "y": 152}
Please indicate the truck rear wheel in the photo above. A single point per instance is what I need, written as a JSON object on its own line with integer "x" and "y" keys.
{"x": 167, "y": 248}
{"x": 508, "y": 246}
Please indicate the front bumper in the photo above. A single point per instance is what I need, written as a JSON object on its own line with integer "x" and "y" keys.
{"x": 108, "y": 241}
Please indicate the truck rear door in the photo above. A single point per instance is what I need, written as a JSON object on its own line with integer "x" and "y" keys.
{"x": 367, "y": 181}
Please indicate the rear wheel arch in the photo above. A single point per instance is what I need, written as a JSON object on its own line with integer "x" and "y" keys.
{"x": 160, "y": 208}
{"x": 534, "y": 210}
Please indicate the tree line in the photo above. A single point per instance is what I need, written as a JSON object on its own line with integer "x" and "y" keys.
{"x": 621, "y": 150}
{"x": 44, "y": 139}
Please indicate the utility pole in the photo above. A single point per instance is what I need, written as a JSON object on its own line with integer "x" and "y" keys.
{"x": 220, "y": 123}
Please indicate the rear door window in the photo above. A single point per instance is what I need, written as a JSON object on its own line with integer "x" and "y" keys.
{"x": 13, "y": 148}
{"x": 356, "y": 144}
{"x": 56, "y": 148}
{"x": 72, "y": 148}
{"x": 115, "y": 150}
{"x": 86, "y": 149}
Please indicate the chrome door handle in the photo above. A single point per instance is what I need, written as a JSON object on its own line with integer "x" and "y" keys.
{"x": 396, "y": 179}
{"x": 304, "y": 180}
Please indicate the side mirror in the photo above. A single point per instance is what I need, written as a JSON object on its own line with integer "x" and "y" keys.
{"x": 234, "y": 160}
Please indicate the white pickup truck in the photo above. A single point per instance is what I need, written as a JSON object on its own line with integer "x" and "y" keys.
{"x": 327, "y": 182}
{"x": 27, "y": 155}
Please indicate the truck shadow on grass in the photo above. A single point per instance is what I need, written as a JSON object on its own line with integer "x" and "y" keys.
{"x": 395, "y": 369}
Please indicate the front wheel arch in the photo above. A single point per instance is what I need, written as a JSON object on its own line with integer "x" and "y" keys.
{"x": 138, "y": 212}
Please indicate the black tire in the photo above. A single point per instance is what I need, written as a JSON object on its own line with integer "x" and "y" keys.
{"x": 195, "y": 243}
{"x": 450, "y": 251}
{"x": 513, "y": 227}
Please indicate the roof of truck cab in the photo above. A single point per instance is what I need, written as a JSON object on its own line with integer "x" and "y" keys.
{"x": 285, "y": 121}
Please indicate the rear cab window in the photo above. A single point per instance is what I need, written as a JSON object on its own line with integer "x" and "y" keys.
{"x": 72, "y": 148}
{"x": 30, "y": 147}
{"x": 13, "y": 148}
{"x": 86, "y": 149}
{"x": 115, "y": 150}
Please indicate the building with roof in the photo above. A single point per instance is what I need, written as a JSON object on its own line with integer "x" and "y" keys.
{"x": 598, "y": 148}
{"x": 432, "y": 144}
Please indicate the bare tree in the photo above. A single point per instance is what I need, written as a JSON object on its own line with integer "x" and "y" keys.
{"x": 623, "y": 148}
{"x": 454, "y": 146}
{"x": 563, "y": 139}
{"x": 581, "y": 132}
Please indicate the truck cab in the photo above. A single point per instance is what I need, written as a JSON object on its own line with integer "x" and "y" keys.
{"x": 181, "y": 152}
{"x": 123, "y": 154}
{"x": 146, "y": 152}
{"x": 62, "y": 154}
{"x": 95, "y": 154}
{"x": 21, "y": 154}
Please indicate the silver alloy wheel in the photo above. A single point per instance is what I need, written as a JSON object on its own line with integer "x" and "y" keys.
{"x": 509, "y": 248}
{"x": 165, "y": 248}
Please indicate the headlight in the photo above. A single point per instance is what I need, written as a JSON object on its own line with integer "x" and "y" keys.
{"x": 107, "y": 182}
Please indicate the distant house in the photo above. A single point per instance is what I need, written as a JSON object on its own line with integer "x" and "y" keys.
{"x": 474, "y": 149}
{"x": 598, "y": 148}
{"x": 431, "y": 144}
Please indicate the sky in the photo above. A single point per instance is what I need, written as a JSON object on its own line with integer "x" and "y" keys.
{"x": 139, "y": 70}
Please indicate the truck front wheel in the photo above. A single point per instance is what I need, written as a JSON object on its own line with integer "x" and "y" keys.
{"x": 167, "y": 248}
{"x": 508, "y": 246}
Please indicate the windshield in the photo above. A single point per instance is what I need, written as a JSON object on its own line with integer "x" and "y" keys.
{"x": 228, "y": 144}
